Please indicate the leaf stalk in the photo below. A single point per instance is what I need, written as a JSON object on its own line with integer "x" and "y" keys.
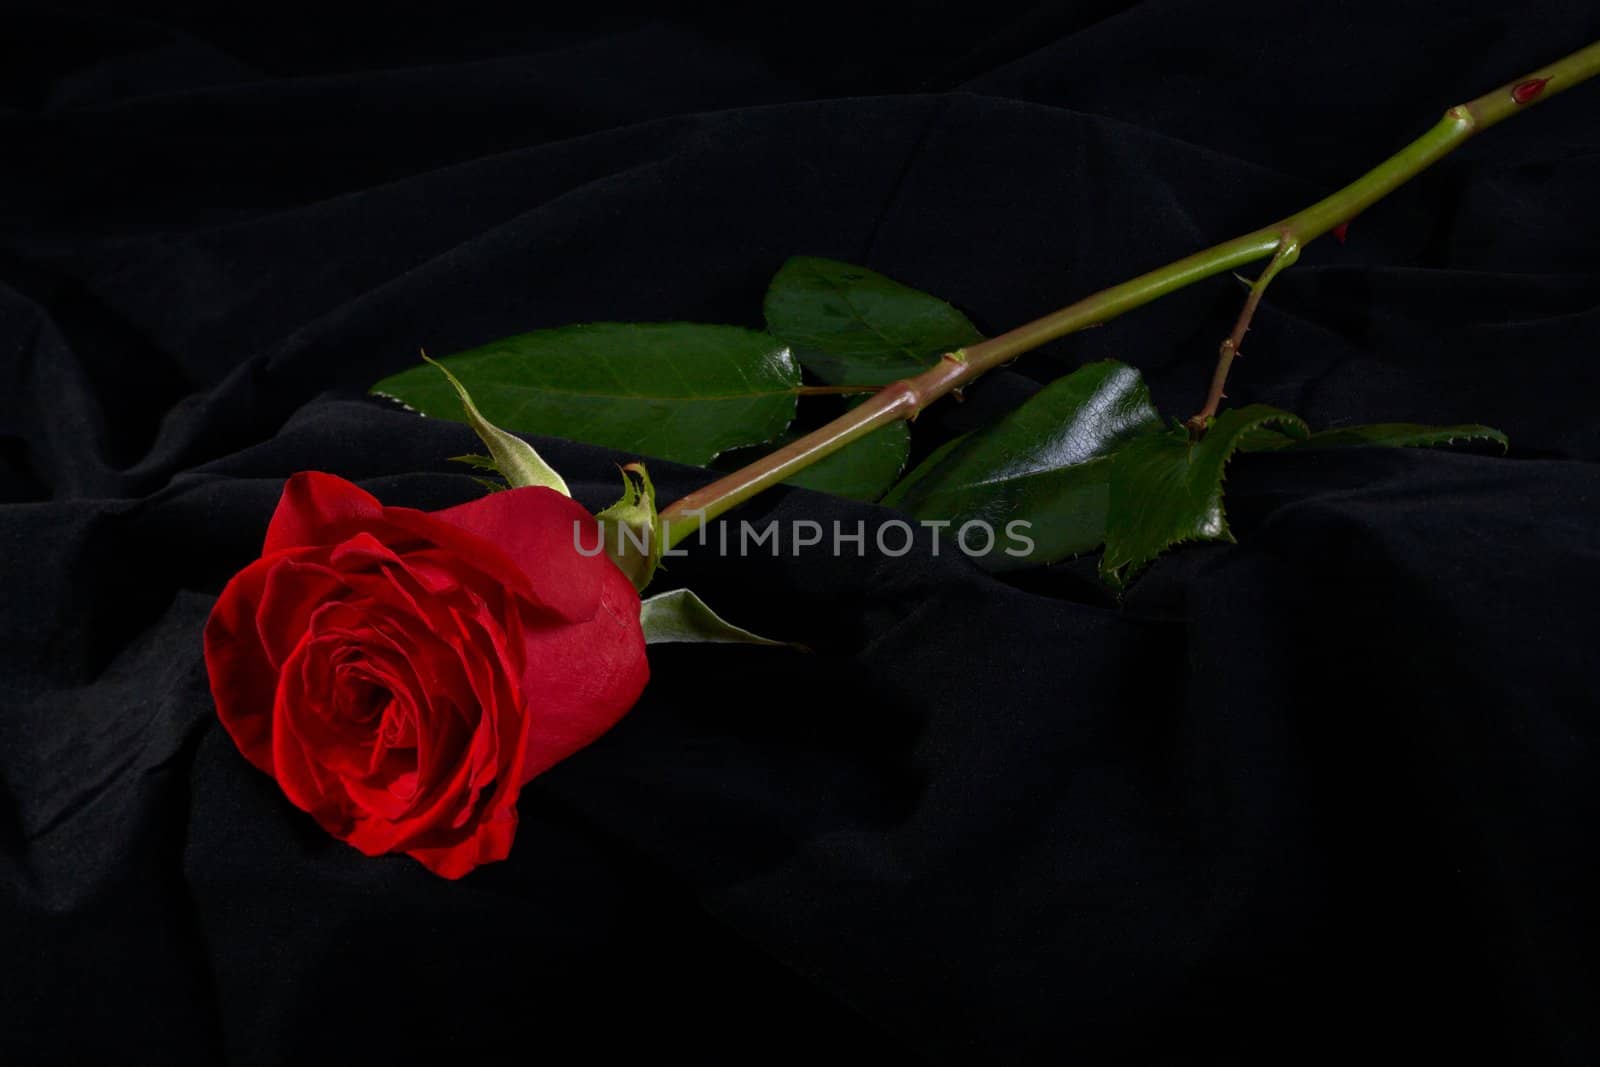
{"x": 1288, "y": 251}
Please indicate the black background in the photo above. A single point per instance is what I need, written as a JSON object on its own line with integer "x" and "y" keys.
{"x": 1330, "y": 793}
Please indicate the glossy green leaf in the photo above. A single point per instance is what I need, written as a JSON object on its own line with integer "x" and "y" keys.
{"x": 1403, "y": 435}
{"x": 681, "y": 616}
{"x": 1376, "y": 435}
{"x": 516, "y": 460}
{"x": 1266, "y": 439}
{"x": 852, "y": 326}
{"x": 1166, "y": 488}
{"x": 631, "y": 530}
{"x": 1046, "y": 464}
{"x": 862, "y": 470}
{"x": 681, "y": 391}
{"x": 906, "y": 489}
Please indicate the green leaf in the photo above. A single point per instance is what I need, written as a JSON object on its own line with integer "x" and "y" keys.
{"x": 682, "y": 616}
{"x": 1046, "y": 464}
{"x": 630, "y": 529}
{"x": 1166, "y": 488}
{"x": 852, "y": 326}
{"x": 861, "y": 470}
{"x": 1376, "y": 435}
{"x": 681, "y": 391}
{"x": 907, "y": 488}
{"x": 513, "y": 457}
{"x": 1403, "y": 435}
{"x": 1266, "y": 439}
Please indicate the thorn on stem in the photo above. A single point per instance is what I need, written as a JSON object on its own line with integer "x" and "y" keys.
{"x": 1528, "y": 91}
{"x": 1340, "y": 231}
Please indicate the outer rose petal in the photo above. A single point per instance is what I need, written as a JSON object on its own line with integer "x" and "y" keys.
{"x": 524, "y": 538}
{"x": 243, "y": 680}
{"x": 490, "y": 843}
{"x": 529, "y": 538}
{"x": 319, "y": 509}
{"x": 580, "y": 680}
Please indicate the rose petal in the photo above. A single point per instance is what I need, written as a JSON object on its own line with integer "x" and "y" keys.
{"x": 537, "y": 528}
{"x": 293, "y": 590}
{"x": 243, "y": 680}
{"x": 310, "y": 787}
{"x": 582, "y": 679}
{"x": 319, "y": 509}
{"x": 490, "y": 843}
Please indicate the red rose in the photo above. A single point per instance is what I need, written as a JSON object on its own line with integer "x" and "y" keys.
{"x": 402, "y": 673}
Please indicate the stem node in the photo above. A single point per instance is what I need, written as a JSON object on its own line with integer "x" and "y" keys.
{"x": 1462, "y": 116}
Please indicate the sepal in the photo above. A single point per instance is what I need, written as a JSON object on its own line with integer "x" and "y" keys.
{"x": 681, "y": 616}
{"x": 516, "y": 460}
{"x": 631, "y": 530}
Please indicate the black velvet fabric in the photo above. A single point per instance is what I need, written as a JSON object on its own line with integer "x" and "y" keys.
{"x": 1327, "y": 794}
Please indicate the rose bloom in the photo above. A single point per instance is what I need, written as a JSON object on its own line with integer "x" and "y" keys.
{"x": 403, "y": 673}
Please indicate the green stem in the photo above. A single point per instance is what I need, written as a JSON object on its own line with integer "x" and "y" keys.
{"x": 904, "y": 399}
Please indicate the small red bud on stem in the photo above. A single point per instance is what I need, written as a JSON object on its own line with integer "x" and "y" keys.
{"x": 1528, "y": 91}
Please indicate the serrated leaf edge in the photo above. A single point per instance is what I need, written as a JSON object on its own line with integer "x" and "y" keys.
{"x": 1119, "y": 577}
